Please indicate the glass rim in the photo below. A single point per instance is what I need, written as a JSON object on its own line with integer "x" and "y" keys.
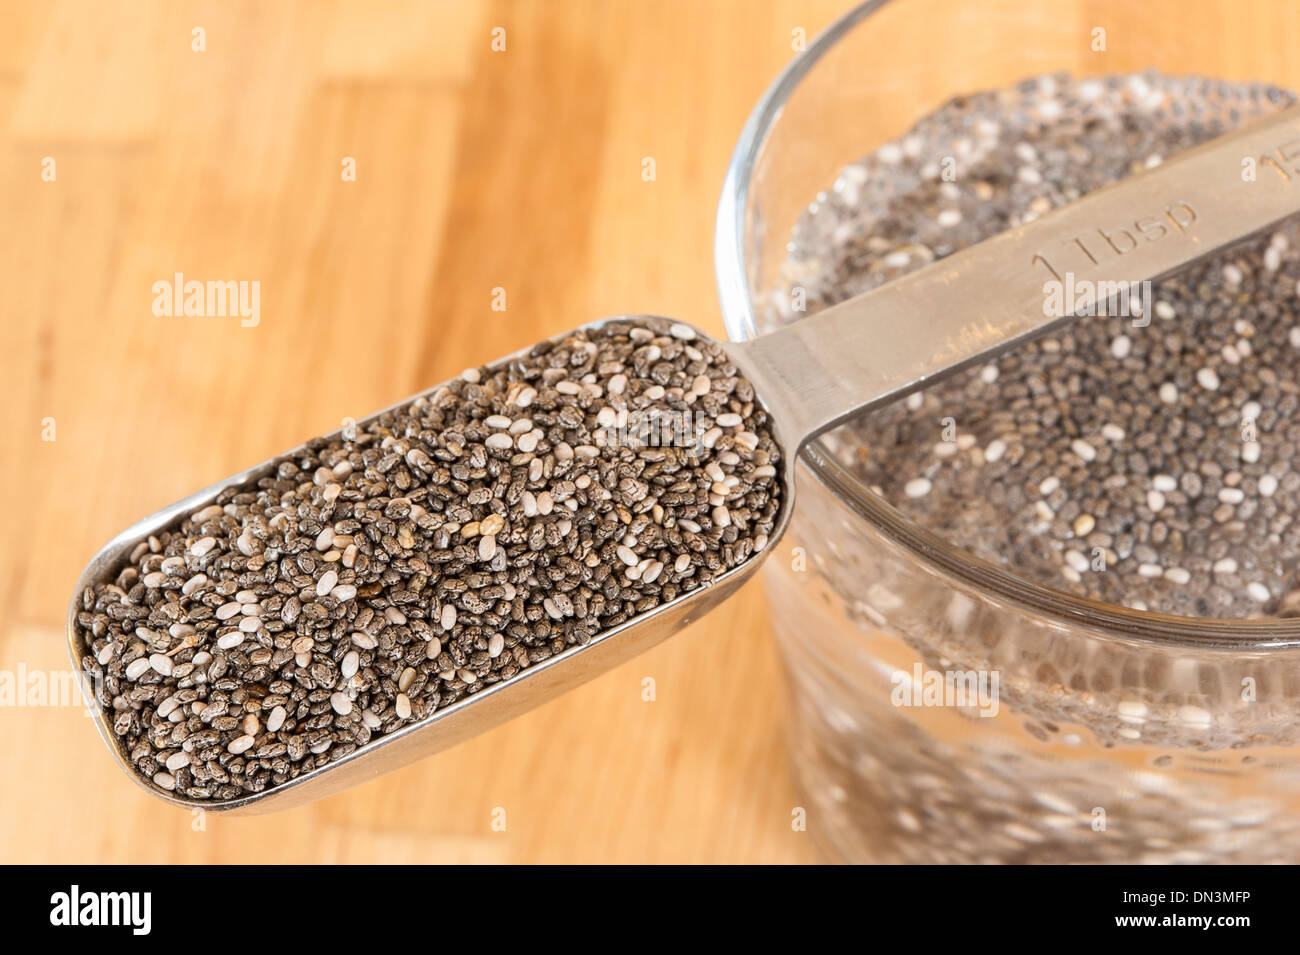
{"x": 959, "y": 565}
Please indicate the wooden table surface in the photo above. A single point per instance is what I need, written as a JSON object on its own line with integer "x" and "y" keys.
{"x": 475, "y": 170}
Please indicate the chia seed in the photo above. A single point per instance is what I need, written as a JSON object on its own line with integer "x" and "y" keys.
{"x": 387, "y": 571}
{"x": 1127, "y": 462}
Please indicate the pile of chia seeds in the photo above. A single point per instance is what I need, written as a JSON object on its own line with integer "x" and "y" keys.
{"x": 375, "y": 577}
{"x": 1145, "y": 466}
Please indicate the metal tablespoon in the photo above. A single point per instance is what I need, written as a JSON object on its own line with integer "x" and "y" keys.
{"x": 811, "y": 375}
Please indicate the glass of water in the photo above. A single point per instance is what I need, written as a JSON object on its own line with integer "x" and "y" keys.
{"x": 943, "y": 705}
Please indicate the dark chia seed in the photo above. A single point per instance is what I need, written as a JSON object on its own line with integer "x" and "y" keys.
{"x": 1145, "y": 466}
{"x": 378, "y": 576}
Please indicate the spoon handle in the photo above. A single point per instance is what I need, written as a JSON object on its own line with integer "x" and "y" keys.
{"x": 990, "y": 297}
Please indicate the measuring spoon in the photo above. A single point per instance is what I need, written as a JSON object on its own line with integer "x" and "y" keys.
{"x": 811, "y": 375}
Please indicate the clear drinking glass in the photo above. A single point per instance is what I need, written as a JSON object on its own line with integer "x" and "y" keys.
{"x": 1118, "y": 735}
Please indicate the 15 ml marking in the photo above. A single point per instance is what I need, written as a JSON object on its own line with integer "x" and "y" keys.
{"x": 1283, "y": 156}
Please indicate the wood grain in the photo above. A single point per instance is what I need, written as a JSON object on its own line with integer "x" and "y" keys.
{"x": 475, "y": 170}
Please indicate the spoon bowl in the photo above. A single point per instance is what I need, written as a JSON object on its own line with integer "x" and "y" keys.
{"x": 468, "y": 716}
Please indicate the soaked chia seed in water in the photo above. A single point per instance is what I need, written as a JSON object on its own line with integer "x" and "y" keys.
{"x": 375, "y": 577}
{"x": 1128, "y": 439}
{"x": 1145, "y": 466}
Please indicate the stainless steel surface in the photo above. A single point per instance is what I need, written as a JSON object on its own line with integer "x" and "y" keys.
{"x": 815, "y": 373}
{"x": 976, "y": 303}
